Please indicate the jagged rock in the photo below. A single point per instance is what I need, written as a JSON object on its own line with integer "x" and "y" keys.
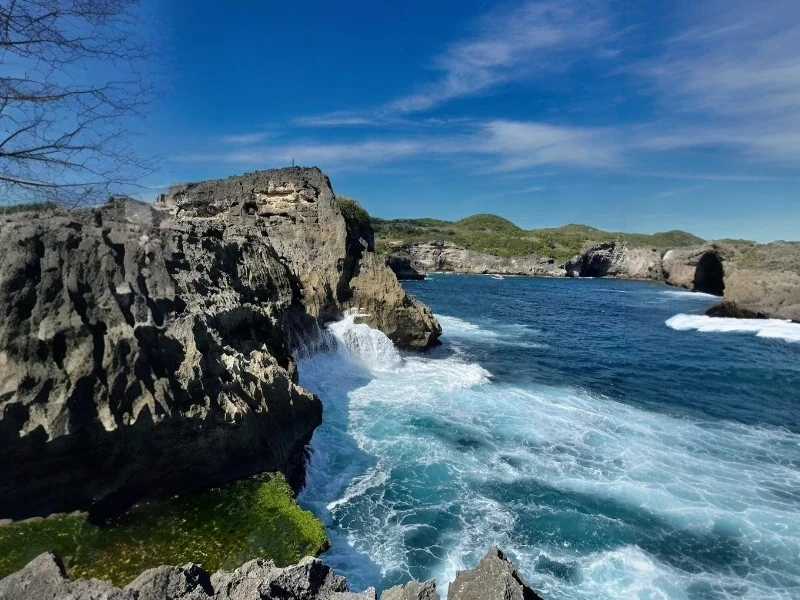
{"x": 189, "y": 582}
{"x": 449, "y": 257}
{"x": 377, "y": 294}
{"x": 44, "y": 578}
{"x": 332, "y": 257}
{"x": 146, "y": 349}
{"x": 413, "y": 590}
{"x": 495, "y": 578}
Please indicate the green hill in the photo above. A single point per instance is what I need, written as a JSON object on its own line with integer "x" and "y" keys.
{"x": 499, "y": 236}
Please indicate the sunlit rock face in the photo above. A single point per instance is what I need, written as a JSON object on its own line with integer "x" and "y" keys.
{"x": 146, "y": 349}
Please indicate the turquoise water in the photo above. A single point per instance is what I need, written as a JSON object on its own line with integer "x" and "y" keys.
{"x": 610, "y": 454}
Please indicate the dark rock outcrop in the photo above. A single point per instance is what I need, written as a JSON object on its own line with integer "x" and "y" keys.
{"x": 146, "y": 350}
{"x": 401, "y": 265}
{"x": 494, "y": 578}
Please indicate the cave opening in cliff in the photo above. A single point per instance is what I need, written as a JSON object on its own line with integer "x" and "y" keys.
{"x": 709, "y": 276}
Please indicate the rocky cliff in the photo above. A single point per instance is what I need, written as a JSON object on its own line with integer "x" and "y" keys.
{"x": 611, "y": 259}
{"x": 146, "y": 349}
{"x": 494, "y": 578}
{"x": 753, "y": 279}
{"x": 448, "y": 257}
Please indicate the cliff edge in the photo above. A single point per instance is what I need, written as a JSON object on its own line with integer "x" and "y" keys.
{"x": 146, "y": 349}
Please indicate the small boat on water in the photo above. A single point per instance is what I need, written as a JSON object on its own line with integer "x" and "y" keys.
{"x": 497, "y": 277}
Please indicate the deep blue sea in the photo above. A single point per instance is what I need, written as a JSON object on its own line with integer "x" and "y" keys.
{"x": 610, "y": 454}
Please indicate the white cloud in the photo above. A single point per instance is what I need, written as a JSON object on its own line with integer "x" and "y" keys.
{"x": 509, "y": 46}
{"x": 521, "y": 145}
{"x": 732, "y": 77}
{"x": 244, "y": 138}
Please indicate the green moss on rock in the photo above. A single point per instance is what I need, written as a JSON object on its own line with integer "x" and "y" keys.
{"x": 219, "y": 528}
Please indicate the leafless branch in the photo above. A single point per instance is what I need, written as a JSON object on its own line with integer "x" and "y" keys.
{"x": 72, "y": 77}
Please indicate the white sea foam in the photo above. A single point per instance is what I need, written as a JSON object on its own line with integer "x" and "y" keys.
{"x": 687, "y": 295}
{"x": 365, "y": 344}
{"x": 766, "y": 328}
{"x": 500, "y": 335}
{"x": 418, "y": 463}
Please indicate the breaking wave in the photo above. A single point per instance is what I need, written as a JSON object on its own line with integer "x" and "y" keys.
{"x": 765, "y": 328}
{"x": 423, "y": 462}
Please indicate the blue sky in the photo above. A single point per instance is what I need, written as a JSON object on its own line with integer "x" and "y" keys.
{"x": 626, "y": 115}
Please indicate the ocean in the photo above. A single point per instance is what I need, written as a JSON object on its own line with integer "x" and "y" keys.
{"x": 611, "y": 439}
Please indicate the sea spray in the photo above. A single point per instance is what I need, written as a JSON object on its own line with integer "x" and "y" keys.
{"x": 424, "y": 460}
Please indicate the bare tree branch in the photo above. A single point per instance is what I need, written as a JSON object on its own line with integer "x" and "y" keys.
{"x": 71, "y": 78}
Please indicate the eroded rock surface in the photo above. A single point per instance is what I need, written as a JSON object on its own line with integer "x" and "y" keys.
{"x": 613, "y": 259}
{"x": 44, "y": 578}
{"x": 332, "y": 258}
{"x": 448, "y": 257}
{"x": 147, "y": 349}
{"x": 494, "y": 578}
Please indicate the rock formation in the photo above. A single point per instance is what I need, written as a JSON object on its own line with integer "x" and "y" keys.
{"x": 147, "y": 349}
{"x": 755, "y": 280}
{"x": 332, "y": 258}
{"x": 613, "y": 259}
{"x": 494, "y": 578}
{"x": 448, "y": 257}
{"x": 401, "y": 265}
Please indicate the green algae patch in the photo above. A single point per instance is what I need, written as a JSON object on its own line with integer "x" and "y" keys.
{"x": 219, "y": 528}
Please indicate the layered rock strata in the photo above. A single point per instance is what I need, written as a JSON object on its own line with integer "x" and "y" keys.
{"x": 448, "y": 257}
{"x": 146, "y": 350}
{"x": 494, "y": 578}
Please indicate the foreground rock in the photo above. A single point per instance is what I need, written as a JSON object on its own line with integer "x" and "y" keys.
{"x": 448, "y": 257}
{"x": 147, "y": 350}
{"x": 494, "y": 578}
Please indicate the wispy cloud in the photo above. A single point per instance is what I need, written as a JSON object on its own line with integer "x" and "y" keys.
{"x": 732, "y": 78}
{"x": 665, "y": 195}
{"x": 244, "y": 138}
{"x": 496, "y": 146}
{"x": 534, "y": 38}
{"x": 520, "y": 145}
{"x": 510, "y": 45}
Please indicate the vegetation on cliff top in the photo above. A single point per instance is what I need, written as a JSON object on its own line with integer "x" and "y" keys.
{"x": 220, "y": 528}
{"x": 353, "y": 212}
{"x": 499, "y": 236}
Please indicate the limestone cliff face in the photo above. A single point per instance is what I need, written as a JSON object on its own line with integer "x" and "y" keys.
{"x": 448, "y": 257}
{"x": 146, "y": 349}
{"x": 612, "y": 259}
{"x": 752, "y": 279}
{"x": 138, "y": 357}
{"x": 332, "y": 259}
